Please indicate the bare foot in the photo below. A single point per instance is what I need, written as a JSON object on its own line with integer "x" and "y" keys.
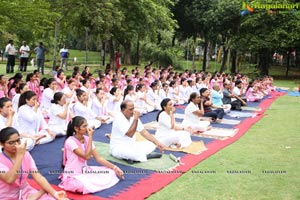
{"x": 38, "y": 138}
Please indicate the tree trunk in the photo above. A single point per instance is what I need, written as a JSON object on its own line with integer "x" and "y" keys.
{"x": 287, "y": 64}
{"x": 263, "y": 64}
{"x": 112, "y": 54}
{"x": 103, "y": 53}
{"x": 173, "y": 40}
{"x": 233, "y": 61}
{"x": 137, "y": 56}
{"x": 127, "y": 49}
{"x": 205, "y": 54}
{"x": 225, "y": 53}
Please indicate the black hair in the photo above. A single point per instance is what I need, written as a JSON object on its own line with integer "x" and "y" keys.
{"x": 202, "y": 90}
{"x": 124, "y": 104}
{"x": 84, "y": 81}
{"x": 172, "y": 83}
{"x": 21, "y": 87}
{"x": 6, "y": 133}
{"x": 163, "y": 104}
{"x": 79, "y": 92}
{"x": 249, "y": 85}
{"x": 14, "y": 85}
{"x": 127, "y": 89}
{"x": 193, "y": 95}
{"x": 59, "y": 72}
{"x": 26, "y": 96}
{"x": 98, "y": 90}
{"x": 113, "y": 90}
{"x": 43, "y": 82}
{"x": 139, "y": 86}
{"x": 237, "y": 82}
{"x": 128, "y": 81}
{"x": 57, "y": 97}
{"x": 75, "y": 122}
{"x": 48, "y": 83}
{"x": 182, "y": 80}
{"x": 29, "y": 76}
{"x": 3, "y": 100}
{"x": 153, "y": 84}
{"x": 16, "y": 76}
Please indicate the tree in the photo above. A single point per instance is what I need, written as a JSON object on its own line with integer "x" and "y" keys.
{"x": 22, "y": 20}
{"x": 141, "y": 20}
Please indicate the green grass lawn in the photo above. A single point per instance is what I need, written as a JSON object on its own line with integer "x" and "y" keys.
{"x": 272, "y": 144}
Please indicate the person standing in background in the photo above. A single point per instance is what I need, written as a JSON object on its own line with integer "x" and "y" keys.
{"x": 64, "y": 53}
{"x": 11, "y": 51}
{"x": 24, "y": 54}
{"x": 40, "y": 57}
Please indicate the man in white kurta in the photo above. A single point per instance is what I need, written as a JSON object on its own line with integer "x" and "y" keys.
{"x": 123, "y": 144}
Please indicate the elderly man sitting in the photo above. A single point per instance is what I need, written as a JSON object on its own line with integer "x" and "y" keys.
{"x": 123, "y": 143}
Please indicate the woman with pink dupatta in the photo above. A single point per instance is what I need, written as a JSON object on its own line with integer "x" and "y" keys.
{"x": 15, "y": 166}
{"x": 78, "y": 148}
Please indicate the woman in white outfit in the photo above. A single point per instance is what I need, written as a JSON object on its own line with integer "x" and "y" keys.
{"x": 114, "y": 101}
{"x": 82, "y": 109}
{"x": 99, "y": 106}
{"x": 153, "y": 95}
{"x": 8, "y": 119}
{"x": 142, "y": 100}
{"x": 59, "y": 114}
{"x": 47, "y": 96}
{"x": 69, "y": 91}
{"x": 31, "y": 120}
{"x": 168, "y": 132}
{"x": 15, "y": 101}
{"x": 193, "y": 113}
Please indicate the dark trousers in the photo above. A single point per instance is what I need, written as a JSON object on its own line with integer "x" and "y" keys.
{"x": 40, "y": 65}
{"x": 236, "y": 105}
{"x": 10, "y": 64}
{"x": 215, "y": 114}
{"x": 23, "y": 64}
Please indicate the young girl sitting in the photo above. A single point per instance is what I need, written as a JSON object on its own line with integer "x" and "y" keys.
{"x": 78, "y": 149}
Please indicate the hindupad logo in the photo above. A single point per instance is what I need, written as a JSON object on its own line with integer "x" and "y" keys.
{"x": 246, "y": 9}
{"x": 271, "y": 8}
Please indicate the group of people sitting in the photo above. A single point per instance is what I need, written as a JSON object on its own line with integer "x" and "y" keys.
{"x": 38, "y": 110}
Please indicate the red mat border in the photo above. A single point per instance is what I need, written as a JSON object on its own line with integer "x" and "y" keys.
{"x": 155, "y": 182}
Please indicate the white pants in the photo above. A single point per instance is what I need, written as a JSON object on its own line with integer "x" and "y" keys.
{"x": 176, "y": 137}
{"x": 93, "y": 123}
{"x": 200, "y": 126}
{"x": 58, "y": 130}
{"x": 46, "y": 139}
{"x": 137, "y": 151}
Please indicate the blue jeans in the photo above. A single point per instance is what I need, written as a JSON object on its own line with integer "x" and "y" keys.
{"x": 40, "y": 65}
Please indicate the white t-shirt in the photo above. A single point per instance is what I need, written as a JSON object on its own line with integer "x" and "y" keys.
{"x": 119, "y": 128}
{"x": 23, "y": 50}
{"x": 164, "y": 125}
{"x": 189, "y": 116}
{"x": 113, "y": 106}
{"x": 10, "y": 49}
{"x": 55, "y": 110}
{"x": 47, "y": 96}
{"x": 83, "y": 111}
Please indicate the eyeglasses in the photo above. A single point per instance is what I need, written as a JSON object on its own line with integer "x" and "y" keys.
{"x": 13, "y": 142}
